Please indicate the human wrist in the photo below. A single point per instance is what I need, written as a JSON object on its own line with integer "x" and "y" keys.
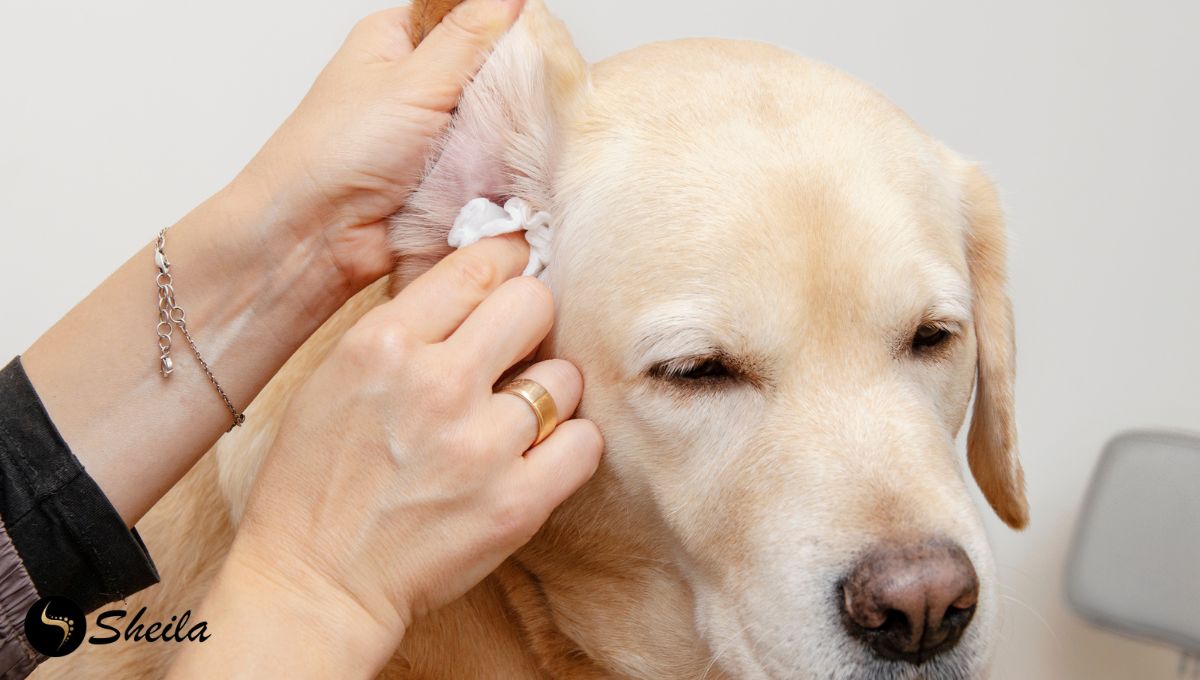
{"x": 348, "y": 225}
{"x": 281, "y": 197}
{"x": 282, "y": 225}
{"x": 270, "y": 263}
{"x": 253, "y": 290}
{"x": 300, "y": 622}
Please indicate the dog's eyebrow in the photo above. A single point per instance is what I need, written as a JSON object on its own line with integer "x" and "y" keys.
{"x": 680, "y": 328}
{"x": 951, "y": 307}
{"x": 951, "y": 295}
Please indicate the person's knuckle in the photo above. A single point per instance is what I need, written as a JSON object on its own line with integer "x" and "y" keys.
{"x": 392, "y": 344}
{"x": 477, "y": 274}
{"x": 380, "y": 346}
{"x": 564, "y": 374}
{"x": 361, "y": 30}
{"x": 354, "y": 342}
{"x": 511, "y": 519}
{"x": 370, "y": 23}
{"x": 467, "y": 23}
{"x": 590, "y": 436}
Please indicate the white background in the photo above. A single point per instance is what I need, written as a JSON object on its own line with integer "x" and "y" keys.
{"x": 116, "y": 117}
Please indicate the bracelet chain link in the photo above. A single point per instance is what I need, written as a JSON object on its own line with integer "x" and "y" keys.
{"x": 170, "y": 316}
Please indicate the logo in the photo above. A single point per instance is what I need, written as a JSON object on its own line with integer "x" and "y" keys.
{"x": 55, "y": 626}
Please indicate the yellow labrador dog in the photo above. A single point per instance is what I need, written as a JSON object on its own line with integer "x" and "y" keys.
{"x": 780, "y": 292}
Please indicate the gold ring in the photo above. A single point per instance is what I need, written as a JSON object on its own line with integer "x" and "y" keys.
{"x": 540, "y": 401}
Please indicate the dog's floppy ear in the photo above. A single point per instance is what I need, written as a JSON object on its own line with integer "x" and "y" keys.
{"x": 992, "y": 440}
{"x": 503, "y": 140}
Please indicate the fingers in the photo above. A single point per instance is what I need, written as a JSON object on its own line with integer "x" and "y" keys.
{"x": 455, "y": 49}
{"x": 438, "y": 301}
{"x": 515, "y": 422}
{"x": 383, "y": 35}
{"x": 557, "y": 467}
{"x": 505, "y": 327}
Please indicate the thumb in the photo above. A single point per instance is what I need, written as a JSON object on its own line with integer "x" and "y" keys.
{"x": 450, "y": 55}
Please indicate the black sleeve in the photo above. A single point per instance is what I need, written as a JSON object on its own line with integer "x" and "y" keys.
{"x": 67, "y": 533}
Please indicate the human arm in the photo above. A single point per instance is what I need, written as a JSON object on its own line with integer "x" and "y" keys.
{"x": 261, "y": 264}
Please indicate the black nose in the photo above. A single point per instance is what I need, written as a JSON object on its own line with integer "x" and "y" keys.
{"x": 910, "y": 602}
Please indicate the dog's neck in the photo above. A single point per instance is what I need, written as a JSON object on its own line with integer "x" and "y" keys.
{"x": 593, "y": 595}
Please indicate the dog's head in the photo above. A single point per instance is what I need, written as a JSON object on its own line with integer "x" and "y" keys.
{"x": 780, "y": 292}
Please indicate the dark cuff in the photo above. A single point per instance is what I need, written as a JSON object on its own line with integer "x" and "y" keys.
{"x": 69, "y": 536}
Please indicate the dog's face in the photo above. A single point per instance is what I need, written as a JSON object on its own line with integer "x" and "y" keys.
{"x": 763, "y": 271}
{"x": 780, "y": 293}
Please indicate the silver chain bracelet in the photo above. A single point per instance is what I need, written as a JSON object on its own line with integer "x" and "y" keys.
{"x": 171, "y": 315}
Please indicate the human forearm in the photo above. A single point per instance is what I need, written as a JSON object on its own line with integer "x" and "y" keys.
{"x": 254, "y": 284}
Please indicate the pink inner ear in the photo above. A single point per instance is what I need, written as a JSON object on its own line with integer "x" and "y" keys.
{"x": 470, "y": 164}
{"x": 473, "y": 161}
{"x": 466, "y": 169}
{"x": 501, "y": 142}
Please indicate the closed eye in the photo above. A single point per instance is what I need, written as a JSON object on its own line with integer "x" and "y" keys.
{"x": 693, "y": 370}
{"x": 929, "y": 337}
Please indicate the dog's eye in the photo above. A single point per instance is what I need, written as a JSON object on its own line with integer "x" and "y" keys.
{"x": 693, "y": 369}
{"x": 929, "y": 336}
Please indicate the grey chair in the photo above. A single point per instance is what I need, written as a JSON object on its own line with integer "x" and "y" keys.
{"x": 1134, "y": 563}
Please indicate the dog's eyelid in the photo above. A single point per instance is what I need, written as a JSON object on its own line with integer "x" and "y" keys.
{"x": 950, "y": 326}
{"x": 679, "y": 366}
{"x": 710, "y": 368}
{"x": 929, "y": 339}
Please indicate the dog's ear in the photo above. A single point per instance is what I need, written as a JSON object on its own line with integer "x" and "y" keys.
{"x": 504, "y": 138}
{"x": 992, "y": 439}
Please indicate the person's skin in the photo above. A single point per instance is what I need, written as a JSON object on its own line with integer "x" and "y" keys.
{"x": 398, "y": 480}
{"x": 263, "y": 263}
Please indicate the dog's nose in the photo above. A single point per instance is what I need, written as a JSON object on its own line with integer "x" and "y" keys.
{"x": 911, "y": 602}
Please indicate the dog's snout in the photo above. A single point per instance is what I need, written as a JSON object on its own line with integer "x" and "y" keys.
{"x": 911, "y": 602}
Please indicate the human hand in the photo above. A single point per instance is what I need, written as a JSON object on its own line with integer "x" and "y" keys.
{"x": 399, "y": 480}
{"x": 355, "y": 147}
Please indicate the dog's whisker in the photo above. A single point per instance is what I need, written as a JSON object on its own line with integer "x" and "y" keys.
{"x": 1015, "y": 569}
{"x": 766, "y": 655}
{"x": 724, "y": 647}
{"x": 1034, "y": 612}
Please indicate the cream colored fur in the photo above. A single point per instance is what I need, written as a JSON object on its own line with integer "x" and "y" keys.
{"x": 712, "y": 197}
